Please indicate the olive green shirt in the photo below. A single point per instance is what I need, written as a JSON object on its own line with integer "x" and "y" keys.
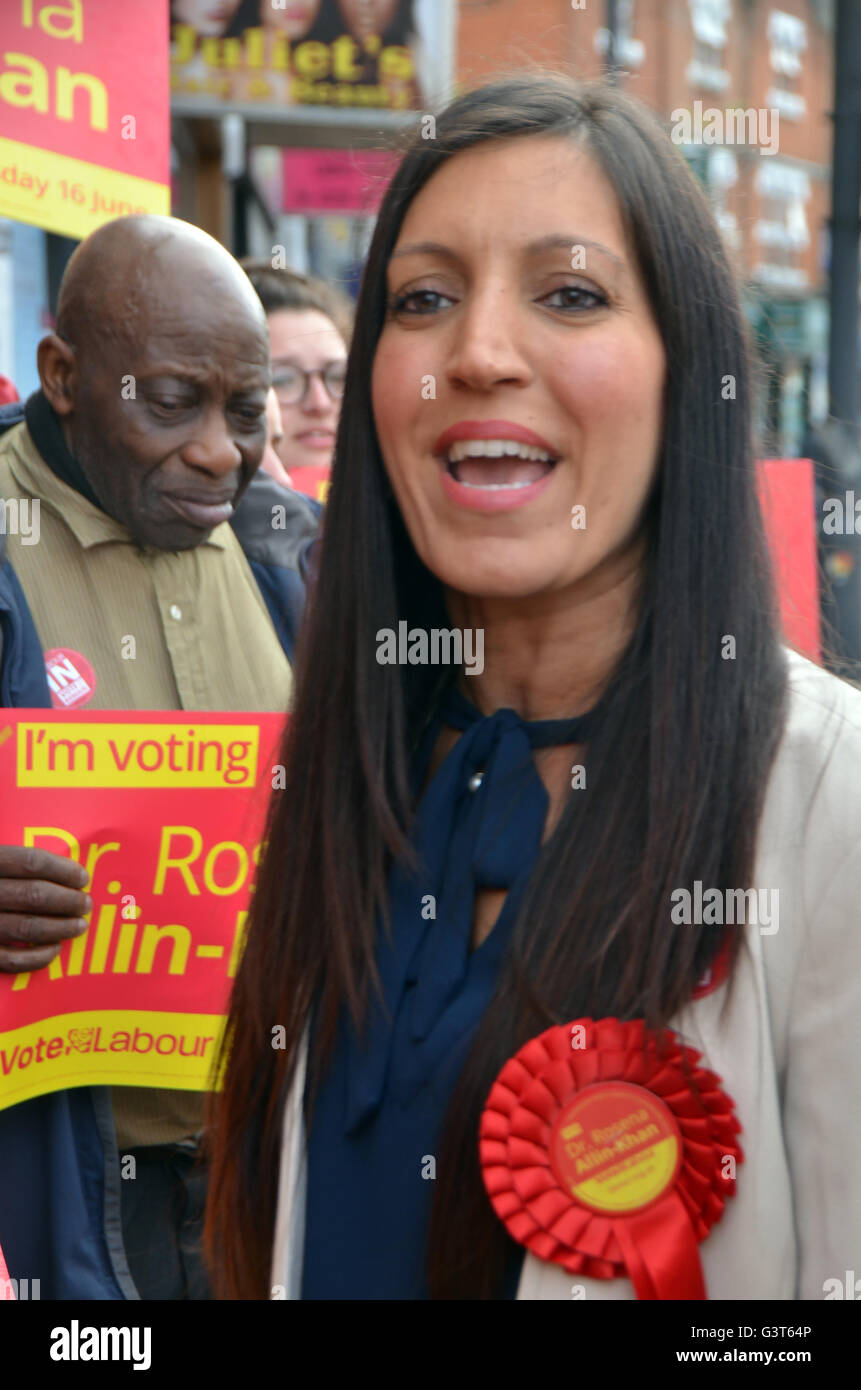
{"x": 161, "y": 630}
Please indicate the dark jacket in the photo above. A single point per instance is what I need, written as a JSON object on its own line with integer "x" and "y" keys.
{"x": 59, "y": 1168}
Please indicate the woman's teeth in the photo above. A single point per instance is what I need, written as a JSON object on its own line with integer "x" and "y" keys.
{"x": 495, "y": 449}
{"x": 494, "y": 464}
{"x": 497, "y": 487}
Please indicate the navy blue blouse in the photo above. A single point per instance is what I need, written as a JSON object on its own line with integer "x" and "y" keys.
{"x": 378, "y": 1113}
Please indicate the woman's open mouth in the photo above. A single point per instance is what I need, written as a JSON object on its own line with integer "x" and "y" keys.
{"x": 495, "y": 474}
{"x": 494, "y": 464}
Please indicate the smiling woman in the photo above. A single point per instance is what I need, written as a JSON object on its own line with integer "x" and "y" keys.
{"x": 465, "y": 917}
{"x": 491, "y": 307}
{"x": 309, "y": 328}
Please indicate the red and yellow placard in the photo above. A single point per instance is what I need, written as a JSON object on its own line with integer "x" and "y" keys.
{"x": 166, "y": 813}
{"x": 84, "y": 112}
{"x": 609, "y": 1149}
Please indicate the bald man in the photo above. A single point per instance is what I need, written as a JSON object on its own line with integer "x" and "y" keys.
{"x": 147, "y": 431}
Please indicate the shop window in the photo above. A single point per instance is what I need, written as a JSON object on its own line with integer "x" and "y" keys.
{"x": 709, "y": 19}
{"x": 787, "y": 40}
{"x": 630, "y": 52}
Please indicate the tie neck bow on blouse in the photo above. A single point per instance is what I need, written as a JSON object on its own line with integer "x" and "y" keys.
{"x": 478, "y": 825}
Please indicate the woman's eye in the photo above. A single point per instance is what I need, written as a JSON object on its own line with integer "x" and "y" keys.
{"x": 416, "y": 302}
{"x": 574, "y": 297}
{"x": 284, "y": 380}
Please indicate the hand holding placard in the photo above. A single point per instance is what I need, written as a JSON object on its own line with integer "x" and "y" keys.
{"x": 42, "y": 902}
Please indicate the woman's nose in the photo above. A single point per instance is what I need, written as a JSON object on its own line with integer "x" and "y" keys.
{"x": 488, "y": 344}
{"x": 317, "y": 399}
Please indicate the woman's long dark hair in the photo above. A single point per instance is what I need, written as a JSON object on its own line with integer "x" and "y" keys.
{"x": 676, "y": 773}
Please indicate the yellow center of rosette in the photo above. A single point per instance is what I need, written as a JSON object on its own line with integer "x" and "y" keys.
{"x": 615, "y": 1148}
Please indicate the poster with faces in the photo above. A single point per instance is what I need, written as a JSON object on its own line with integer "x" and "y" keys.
{"x": 381, "y": 54}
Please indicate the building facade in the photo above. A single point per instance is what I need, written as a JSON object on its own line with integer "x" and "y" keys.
{"x": 745, "y": 88}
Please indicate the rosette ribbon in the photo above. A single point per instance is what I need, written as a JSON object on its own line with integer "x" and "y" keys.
{"x": 604, "y": 1148}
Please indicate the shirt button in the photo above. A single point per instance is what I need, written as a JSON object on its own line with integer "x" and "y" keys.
{"x": 175, "y": 611}
{"x": 475, "y": 781}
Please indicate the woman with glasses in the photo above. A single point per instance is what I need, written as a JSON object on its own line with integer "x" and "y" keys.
{"x": 309, "y": 332}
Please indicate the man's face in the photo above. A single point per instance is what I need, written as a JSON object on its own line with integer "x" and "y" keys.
{"x": 172, "y": 460}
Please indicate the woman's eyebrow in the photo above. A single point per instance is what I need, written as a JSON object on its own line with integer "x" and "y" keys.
{"x": 295, "y": 362}
{"x": 568, "y": 242}
{"x": 553, "y": 242}
{"x": 425, "y": 248}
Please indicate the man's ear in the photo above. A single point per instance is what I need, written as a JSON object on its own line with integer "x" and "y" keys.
{"x": 55, "y": 360}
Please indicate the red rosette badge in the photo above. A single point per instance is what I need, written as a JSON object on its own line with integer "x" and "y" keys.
{"x": 604, "y": 1149}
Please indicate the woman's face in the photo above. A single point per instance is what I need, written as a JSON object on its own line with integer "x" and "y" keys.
{"x": 306, "y": 340}
{"x": 294, "y": 19}
{"x": 364, "y": 17}
{"x": 209, "y": 17}
{"x": 271, "y": 460}
{"x": 520, "y": 373}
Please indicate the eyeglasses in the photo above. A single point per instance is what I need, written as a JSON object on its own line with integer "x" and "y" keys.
{"x": 291, "y": 383}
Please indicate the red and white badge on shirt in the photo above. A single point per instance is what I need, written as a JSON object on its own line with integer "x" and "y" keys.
{"x": 71, "y": 678}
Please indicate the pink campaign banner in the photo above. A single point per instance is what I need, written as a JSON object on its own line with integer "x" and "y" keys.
{"x": 336, "y": 181}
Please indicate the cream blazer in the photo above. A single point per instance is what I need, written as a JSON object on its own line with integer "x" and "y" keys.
{"x": 785, "y": 1039}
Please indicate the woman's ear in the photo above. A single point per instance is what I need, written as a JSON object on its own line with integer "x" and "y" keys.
{"x": 55, "y": 360}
